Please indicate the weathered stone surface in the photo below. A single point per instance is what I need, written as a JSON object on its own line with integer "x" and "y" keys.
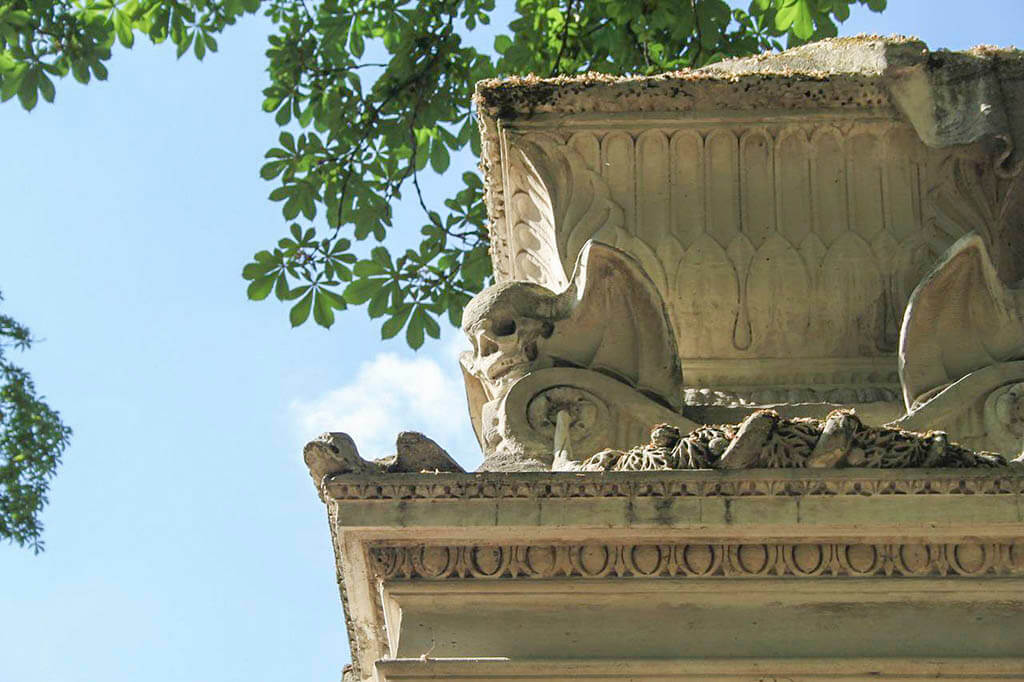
{"x": 960, "y": 349}
{"x": 416, "y": 453}
{"x": 765, "y": 440}
{"x": 335, "y": 453}
{"x": 609, "y": 319}
{"x": 784, "y": 207}
{"x": 776, "y": 228}
{"x": 810, "y": 573}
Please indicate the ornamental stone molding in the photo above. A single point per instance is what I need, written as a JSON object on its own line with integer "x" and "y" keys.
{"x": 698, "y": 560}
{"x": 523, "y": 575}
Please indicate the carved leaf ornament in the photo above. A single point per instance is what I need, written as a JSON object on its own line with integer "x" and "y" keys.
{"x": 752, "y": 233}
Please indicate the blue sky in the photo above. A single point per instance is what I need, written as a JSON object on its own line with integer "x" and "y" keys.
{"x": 184, "y": 538}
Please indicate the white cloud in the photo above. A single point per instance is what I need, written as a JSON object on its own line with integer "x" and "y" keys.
{"x": 392, "y": 393}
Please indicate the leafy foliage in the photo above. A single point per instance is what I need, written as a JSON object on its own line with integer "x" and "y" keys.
{"x": 32, "y": 439}
{"x": 363, "y": 144}
{"x": 370, "y": 93}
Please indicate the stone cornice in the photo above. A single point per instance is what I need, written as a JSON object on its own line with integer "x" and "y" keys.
{"x": 774, "y": 670}
{"x": 537, "y": 530}
{"x": 756, "y": 483}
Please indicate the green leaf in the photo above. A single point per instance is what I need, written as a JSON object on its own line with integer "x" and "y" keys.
{"x": 335, "y": 301}
{"x": 367, "y": 268}
{"x": 502, "y": 43}
{"x": 439, "y": 156}
{"x": 271, "y": 170}
{"x": 256, "y": 270}
{"x": 431, "y": 326}
{"x": 422, "y": 155}
{"x": 395, "y": 323}
{"x": 12, "y": 82}
{"x": 27, "y": 93}
{"x": 46, "y": 87}
{"x": 796, "y": 15}
{"x": 281, "y": 289}
{"x": 183, "y": 44}
{"x": 360, "y": 290}
{"x": 260, "y": 288}
{"x": 356, "y": 44}
{"x": 378, "y": 303}
{"x": 323, "y": 312}
{"x": 300, "y": 311}
{"x": 283, "y": 115}
{"x": 123, "y": 26}
{"x": 414, "y": 331}
{"x": 381, "y": 257}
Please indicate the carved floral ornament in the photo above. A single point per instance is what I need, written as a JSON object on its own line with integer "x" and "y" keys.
{"x": 697, "y": 560}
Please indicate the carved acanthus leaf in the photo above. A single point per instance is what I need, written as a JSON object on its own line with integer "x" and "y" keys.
{"x": 558, "y": 204}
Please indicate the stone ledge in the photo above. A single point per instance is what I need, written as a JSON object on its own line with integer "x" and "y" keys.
{"x": 776, "y": 670}
{"x": 696, "y": 483}
{"x": 456, "y": 553}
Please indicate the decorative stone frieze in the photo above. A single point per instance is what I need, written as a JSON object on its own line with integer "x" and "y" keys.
{"x": 541, "y": 569}
{"x": 790, "y": 483}
{"x": 697, "y": 560}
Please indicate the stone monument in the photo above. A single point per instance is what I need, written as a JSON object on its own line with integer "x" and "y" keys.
{"x": 749, "y": 387}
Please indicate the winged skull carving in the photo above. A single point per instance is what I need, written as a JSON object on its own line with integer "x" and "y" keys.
{"x": 609, "y": 319}
{"x": 961, "y": 352}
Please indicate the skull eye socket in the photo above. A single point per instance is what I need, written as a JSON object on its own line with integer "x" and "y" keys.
{"x": 504, "y": 327}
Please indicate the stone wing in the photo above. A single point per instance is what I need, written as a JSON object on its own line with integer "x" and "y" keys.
{"x": 613, "y": 320}
{"x": 476, "y": 396}
{"x": 960, "y": 318}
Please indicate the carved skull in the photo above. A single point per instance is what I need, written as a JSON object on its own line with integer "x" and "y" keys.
{"x": 504, "y": 323}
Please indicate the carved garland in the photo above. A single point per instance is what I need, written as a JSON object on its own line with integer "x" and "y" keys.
{"x": 698, "y": 560}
